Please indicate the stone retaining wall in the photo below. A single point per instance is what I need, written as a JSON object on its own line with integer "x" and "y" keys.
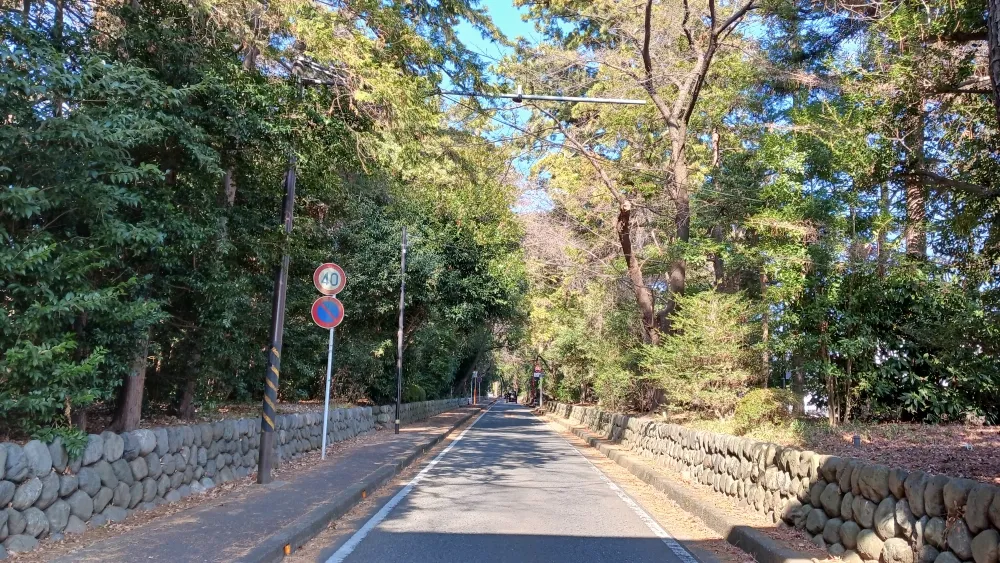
{"x": 43, "y": 493}
{"x": 855, "y": 509}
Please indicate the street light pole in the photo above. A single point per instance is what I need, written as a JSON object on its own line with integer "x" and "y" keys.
{"x": 399, "y": 334}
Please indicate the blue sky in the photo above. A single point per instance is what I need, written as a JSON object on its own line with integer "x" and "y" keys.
{"x": 507, "y": 18}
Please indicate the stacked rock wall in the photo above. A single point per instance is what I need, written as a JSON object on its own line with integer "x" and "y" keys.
{"x": 412, "y": 412}
{"x": 855, "y": 509}
{"x": 44, "y": 493}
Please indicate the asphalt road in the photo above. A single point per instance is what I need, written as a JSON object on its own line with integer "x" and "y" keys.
{"x": 510, "y": 490}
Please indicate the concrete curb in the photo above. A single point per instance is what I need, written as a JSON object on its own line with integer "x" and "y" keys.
{"x": 762, "y": 548}
{"x": 309, "y": 525}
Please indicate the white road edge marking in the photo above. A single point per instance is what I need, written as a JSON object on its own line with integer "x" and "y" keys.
{"x": 351, "y": 544}
{"x": 679, "y": 550}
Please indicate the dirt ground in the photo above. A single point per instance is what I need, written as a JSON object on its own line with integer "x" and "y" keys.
{"x": 957, "y": 450}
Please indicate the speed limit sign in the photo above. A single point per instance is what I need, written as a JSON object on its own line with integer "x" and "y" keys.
{"x": 329, "y": 279}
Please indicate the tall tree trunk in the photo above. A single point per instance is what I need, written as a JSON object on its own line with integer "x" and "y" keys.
{"x": 228, "y": 188}
{"x": 831, "y": 381}
{"x": 883, "y": 233}
{"x": 185, "y": 403}
{"x": 57, "y": 38}
{"x": 846, "y": 414}
{"x": 915, "y": 233}
{"x": 250, "y": 49}
{"x": 798, "y": 384}
{"x": 129, "y": 408}
{"x": 718, "y": 264}
{"x": 677, "y": 277}
{"x": 58, "y": 21}
{"x": 78, "y": 417}
{"x": 765, "y": 359}
{"x": 643, "y": 295}
{"x": 993, "y": 35}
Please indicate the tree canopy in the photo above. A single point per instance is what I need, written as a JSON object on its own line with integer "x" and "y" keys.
{"x": 143, "y": 155}
{"x": 806, "y": 200}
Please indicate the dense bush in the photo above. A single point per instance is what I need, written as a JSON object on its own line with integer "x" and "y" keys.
{"x": 705, "y": 366}
{"x": 761, "y": 406}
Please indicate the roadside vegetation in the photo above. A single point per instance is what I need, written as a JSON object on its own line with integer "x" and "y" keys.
{"x": 143, "y": 154}
{"x": 804, "y": 207}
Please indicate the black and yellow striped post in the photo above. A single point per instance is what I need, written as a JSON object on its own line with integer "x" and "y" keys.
{"x": 271, "y": 375}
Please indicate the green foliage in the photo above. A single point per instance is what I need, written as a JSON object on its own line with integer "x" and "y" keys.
{"x": 142, "y": 163}
{"x": 414, "y": 393}
{"x": 73, "y": 439}
{"x": 760, "y": 406}
{"x": 922, "y": 348}
{"x": 841, "y": 172}
{"x": 705, "y": 366}
{"x": 73, "y": 307}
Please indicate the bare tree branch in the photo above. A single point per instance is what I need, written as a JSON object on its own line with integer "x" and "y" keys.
{"x": 591, "y": 158}
{"x": 684, "y": 24}
{"x": 647, "y": 61}
{"x": 968, "y": 187}
{"x": 733, "y": 19}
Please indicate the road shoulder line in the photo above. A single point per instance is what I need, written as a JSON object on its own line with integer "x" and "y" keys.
{"x": 762, "y": 548}
{"x": 312, "y": 523}
{"x": 352, "y": 543}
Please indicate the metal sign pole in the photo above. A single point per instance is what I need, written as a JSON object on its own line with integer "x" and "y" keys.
{"x": 326, "y": 396}
{"x": 271, "y": 380}
{"x": 399, "y": 334}
{"x": 541, "y": 394}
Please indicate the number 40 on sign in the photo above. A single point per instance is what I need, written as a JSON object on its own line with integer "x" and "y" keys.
{"x": 329, "y": 279}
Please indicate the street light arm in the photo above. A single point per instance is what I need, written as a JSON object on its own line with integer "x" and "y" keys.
{"x": 518, "y": 97}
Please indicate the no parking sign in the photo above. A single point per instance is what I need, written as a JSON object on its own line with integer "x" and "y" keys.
{"x": 328, "y": 312}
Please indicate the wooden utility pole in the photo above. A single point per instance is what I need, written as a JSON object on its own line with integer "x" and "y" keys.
{"x": 272, "y": 372}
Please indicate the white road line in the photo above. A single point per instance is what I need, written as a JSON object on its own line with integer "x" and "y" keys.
{"x": 345, "y": 550}
{"x": 679, "y": 550}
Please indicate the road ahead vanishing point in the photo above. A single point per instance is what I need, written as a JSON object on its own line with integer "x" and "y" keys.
{"x": 510, "y": 490}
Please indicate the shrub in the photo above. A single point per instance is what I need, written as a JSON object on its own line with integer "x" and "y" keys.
{"x": 706, "y": 365}
{"x": 614, "y": 387}
{"x": 414, "y": 393}
{"x": 760, "y": 406}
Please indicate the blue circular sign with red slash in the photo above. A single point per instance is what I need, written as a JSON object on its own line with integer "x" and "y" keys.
{"x": 328, "y": 312}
